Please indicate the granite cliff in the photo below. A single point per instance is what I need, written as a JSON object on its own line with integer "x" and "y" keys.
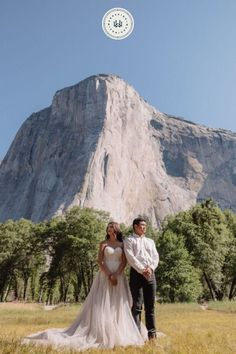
{"x": 101, "y": 145}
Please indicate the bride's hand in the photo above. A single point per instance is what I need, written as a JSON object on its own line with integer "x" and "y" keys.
{"x": 113, "y": 279}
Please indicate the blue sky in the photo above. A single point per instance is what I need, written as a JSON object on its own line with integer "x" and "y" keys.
{"x": 181, "y": 56}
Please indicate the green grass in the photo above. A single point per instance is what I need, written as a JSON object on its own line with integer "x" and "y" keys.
{"x": 189, "y": 329}
{"x": 227, "y": 306}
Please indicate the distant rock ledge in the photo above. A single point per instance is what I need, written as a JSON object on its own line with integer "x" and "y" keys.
{"x": 101, "y": 145}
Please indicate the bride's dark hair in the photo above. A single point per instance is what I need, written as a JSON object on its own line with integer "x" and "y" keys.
{"x": 117, "y": 231}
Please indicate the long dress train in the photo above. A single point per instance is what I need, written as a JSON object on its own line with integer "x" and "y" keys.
{"x": 105, "y": 319}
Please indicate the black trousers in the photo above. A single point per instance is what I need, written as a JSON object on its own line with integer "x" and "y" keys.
{"x": 143, "y": 291}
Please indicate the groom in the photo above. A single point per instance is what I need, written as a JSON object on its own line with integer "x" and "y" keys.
{"x": 143, "y": 258}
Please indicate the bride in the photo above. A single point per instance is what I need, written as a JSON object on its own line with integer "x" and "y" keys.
{"x": 105, "y": 319}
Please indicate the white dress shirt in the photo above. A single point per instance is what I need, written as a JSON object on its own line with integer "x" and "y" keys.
{"x": 141, "y": 252}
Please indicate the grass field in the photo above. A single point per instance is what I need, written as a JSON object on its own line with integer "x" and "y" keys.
{"x": 189, "y": 329}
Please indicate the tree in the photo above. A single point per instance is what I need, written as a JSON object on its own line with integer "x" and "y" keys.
{"x": 177, "y": 279}
{"x": 85, "y": 229}
{"x": 230, "y": 260}
{"x": 206, "y": 238}
{"x": 71, "y": 242}
{"x": 20, "y": 258}
{"x": 8, "y": 243}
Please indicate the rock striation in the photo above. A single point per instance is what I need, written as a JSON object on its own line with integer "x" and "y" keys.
{"x": 101, "y": 145}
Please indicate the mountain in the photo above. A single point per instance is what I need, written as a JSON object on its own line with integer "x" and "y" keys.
{"x": 101, "y": 145}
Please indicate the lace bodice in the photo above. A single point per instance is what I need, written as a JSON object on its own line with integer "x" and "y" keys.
{"x": 113, "y": 253}
{"x": 113, "y": 257}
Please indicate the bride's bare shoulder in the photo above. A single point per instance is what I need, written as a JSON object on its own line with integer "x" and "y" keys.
{"x": 103, "y": 244}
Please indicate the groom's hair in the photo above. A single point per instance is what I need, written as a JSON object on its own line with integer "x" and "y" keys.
{"x": 137, "y": 221}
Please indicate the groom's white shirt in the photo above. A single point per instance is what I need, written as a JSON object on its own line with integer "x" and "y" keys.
{"x": 141, "y": 252}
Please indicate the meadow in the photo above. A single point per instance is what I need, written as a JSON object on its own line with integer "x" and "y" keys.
{"x": 189, "y": 329}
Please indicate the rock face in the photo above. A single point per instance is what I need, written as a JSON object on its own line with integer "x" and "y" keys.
{"x": 101, "y": 145}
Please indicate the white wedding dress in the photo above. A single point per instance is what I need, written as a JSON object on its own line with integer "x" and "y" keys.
{"x": 105, "y": 319}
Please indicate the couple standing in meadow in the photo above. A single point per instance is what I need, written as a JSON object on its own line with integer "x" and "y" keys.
{"x": 111, "y": 313}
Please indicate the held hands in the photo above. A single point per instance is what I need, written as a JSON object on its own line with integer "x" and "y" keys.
{"x": 113, "y": 279}
{"x": 147, "y": 273}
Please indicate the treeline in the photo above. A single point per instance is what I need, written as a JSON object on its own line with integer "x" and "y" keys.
{"x": 198, "y": 255}
{"x": 52, "y": 261}
{"x": 56, "y": 260}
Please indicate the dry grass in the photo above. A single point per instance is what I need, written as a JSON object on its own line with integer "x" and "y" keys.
{"x": 189, "y": 329}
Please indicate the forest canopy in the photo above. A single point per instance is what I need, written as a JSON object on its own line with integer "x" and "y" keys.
{"x": 56, "y": 260}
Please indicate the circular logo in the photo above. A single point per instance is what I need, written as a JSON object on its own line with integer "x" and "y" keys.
{"x": 118, "y": 23}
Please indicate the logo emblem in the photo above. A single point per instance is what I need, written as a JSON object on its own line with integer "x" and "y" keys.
{"x": 118, "y": 23}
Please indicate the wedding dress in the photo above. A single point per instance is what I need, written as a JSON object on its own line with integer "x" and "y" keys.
{"x": 105, "y": 319}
